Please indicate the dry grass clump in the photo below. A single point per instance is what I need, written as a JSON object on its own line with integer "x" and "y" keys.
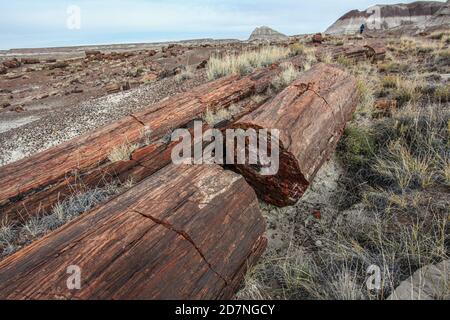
{"x": 15, "y": 236}
{"x": 185, "y": 74}
{"x": 122, "y": 152}
{"x": 310, "y": 58}
{"x": 288, "y": 74}
{"x": 408, "y": 89}
{"x": 244, "y": 63}
{"x": 214, "y": 117}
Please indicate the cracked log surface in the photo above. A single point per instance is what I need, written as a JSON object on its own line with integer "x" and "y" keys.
{"x": 33, "y": 185}
{"x": 187, "y": 232}
{"x": 311, "y": 115}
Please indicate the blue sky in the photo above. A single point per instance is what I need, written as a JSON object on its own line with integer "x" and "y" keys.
{"x": 43, "y": 23}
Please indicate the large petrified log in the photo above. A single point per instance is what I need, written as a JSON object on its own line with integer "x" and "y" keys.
{"x": 311, "y": 115}
{"x": 371, "y": 51}
{"x": 35, "y": 184}
{"x": 187, "y": 232}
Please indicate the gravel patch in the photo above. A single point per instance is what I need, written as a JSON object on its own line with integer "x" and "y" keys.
{"x": 65, "y": 124}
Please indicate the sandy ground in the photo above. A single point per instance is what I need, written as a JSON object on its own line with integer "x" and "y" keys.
{"x": 300, "y": 223}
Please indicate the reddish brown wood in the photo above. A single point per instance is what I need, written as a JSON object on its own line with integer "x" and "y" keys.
{"x": 311, "y": 115}
{"x": 35, "y": 184}
{"x": 372, "y": 51}
{"x": 187, "y": 232}
{"x": 376, "y": 51}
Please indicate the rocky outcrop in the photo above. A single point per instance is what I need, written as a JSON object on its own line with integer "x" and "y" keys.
{"x": 266, "y": 33}
{"x": 429, "y": 283}
{"x": 413, "y": 17}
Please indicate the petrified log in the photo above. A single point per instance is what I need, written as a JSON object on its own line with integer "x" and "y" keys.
{"x": 187, "y": 232}
{"x": 376, "y": 51}
{"x": 311, "y": 115}
{"x": 30, "y": 61}
{"x": 33, "y": 185}
{"x": 12, "y": 64}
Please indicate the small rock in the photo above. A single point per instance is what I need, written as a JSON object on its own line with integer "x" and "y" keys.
{"x": 11, "y": 64}
{"x": 30, "y": 61}
{"x": 386, "y": 104}
{"x": 59, "y": 65}
{"x": 19, "y": 109}
{"x": 5, "y": 104}
{"x": 316, "y": 214}
{"x": 75, "y": 81}
{"x": 319, "y": 243}
{"x": 149, "y": 77}
{"x": 14, "y": 76}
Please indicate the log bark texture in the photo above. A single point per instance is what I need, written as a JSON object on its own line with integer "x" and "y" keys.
{"x": 33, "y": 185}
{"x": 187, "y": 232}
{"x": 311, "y": 115}
{"x": 371, "y": 51}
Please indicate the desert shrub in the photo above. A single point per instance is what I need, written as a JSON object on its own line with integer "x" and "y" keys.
{"x": 358, "y": 147}
{"x": 366, "y": 96}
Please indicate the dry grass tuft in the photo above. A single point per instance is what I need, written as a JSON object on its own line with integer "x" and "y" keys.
{"x": 14, "y": 237}
{"x": 244, "y": 63}
{"x": 214, "y": 117}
